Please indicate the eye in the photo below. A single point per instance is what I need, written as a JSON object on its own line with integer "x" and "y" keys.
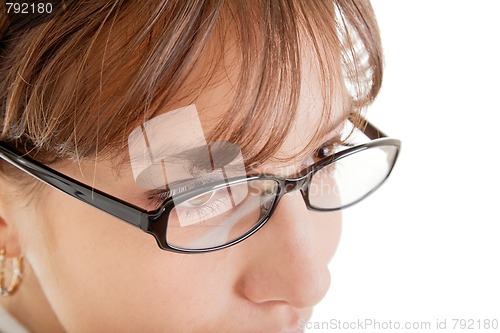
{"x": 201, "y": 199}
{"x": 328, "y": 148}
{"x": 325, "y": 150}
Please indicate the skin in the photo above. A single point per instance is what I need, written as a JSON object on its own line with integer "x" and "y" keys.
{"x": 86, "y": 271}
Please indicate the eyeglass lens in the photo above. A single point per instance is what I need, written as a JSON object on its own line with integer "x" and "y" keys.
{"x": 351, "y": 178}
{"x": 220, "y": 216}
{"x": 226, "y": 213}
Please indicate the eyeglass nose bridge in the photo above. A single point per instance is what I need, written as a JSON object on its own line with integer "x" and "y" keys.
{"x": 294, "y": 184}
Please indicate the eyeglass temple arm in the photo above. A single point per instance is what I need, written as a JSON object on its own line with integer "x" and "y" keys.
{"x": 366, "y": 127}
{"x": 76, "y": 189}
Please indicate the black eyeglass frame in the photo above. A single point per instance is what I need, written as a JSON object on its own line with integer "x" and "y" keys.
{"x": 156, "y": 222}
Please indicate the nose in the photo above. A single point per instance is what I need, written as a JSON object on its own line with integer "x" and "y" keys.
{"x": 289, "y": 256}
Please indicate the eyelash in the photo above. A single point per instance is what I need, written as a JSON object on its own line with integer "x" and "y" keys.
{"x": 324, "y": 151}
{"x": 328, "y": 148}
{"x": 205, "y": 211}
{"x": 159, "y": 196}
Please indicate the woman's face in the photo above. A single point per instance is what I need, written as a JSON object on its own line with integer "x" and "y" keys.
{"x": 101, "y": 275}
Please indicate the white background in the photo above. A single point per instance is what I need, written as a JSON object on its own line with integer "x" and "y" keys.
{"x": 426, "y": 246}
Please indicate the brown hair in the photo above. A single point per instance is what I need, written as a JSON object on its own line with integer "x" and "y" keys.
{"x": 77, "y": 84}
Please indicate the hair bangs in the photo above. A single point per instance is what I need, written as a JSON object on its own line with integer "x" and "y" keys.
{"x": 272, "y": 60}
{"x": 77, "y": 85}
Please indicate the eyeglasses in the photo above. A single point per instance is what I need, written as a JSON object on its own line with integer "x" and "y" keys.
{"x": 214, "y": 216}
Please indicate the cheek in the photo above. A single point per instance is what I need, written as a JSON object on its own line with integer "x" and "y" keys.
{"x": 91, "y": 265}
{"x": 327, "y": 231}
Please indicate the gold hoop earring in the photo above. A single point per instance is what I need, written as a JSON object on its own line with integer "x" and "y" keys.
{"x": 16, "y": 276}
